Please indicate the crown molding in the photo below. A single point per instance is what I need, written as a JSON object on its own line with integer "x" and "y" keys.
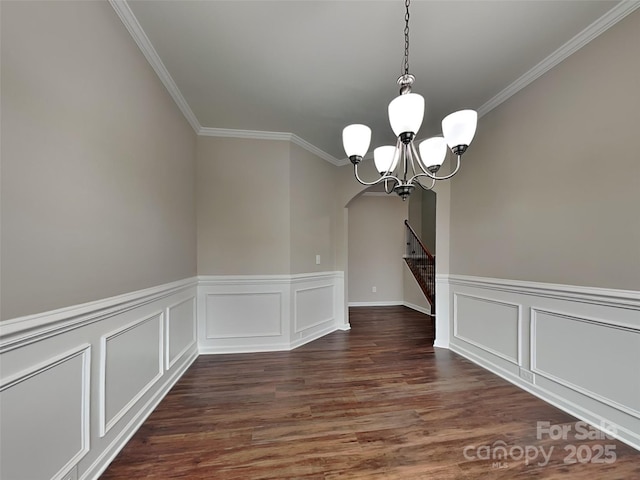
{"x": 316, "y": 151}
{"x": 264, "y": 135}
{"x": 605, "y": 22}
{"x": 613, "y": 16}
{"x": 131, "y": 23}
{"x": 134, "y": 28}
{"x": 251, "y": 134}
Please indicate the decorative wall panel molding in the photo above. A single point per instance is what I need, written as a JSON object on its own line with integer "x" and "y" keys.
{"x": 597, "y": 349}
{"x": 81, "y": 412}
{"x": 130, "y": 364}
{"x": 268, "y": 312}
{"x": 45, "y": 408}
{"x": 104, "y": 456}
{"x": 498, "y": 333}
{"x": 313, "y": 306}
{"x": 578, "y": 348}
{"x": 179, "y": 339}
{"x": 244, "y": 314}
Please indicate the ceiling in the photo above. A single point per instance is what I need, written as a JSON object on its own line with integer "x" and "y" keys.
{"x": 312, "y": 67}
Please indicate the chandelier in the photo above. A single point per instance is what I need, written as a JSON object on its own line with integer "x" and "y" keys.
{"x": 401, "y": 168}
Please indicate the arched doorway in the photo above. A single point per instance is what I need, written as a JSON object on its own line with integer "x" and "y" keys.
{"x": 352, "y": 190}
{"x": 375, "y": 249}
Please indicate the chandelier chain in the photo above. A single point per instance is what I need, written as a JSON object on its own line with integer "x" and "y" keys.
{"x": 406, "y": 38}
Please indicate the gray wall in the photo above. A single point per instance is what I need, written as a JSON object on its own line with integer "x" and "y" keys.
{"x": 422, "y": 217}
{"x": 415, "y": 211}
{"x": 550, "y": 188}
{"x": 265, "y": 207}
{"x": 98, "y": 163}
{"x": 313, "y": 210}
{"x": 376, "y": 246}
{"x": 428, "y": 223}
{"x": 243, "y": 207}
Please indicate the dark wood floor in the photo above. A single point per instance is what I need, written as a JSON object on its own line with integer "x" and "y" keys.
{"x": 378, "y": 402}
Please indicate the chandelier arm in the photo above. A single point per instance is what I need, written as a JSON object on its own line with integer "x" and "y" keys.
{"x": 420, "y": 162}
{"x": 424, "y": 173}
{"x": 396, "y": 154}
{"x": 413, "y": 158}
{"x": 433, "y": 176}
{"x": 446, "y": 177}
{"x": 387, "y": 190}
{"x": 416, "y": 180}
{"x": 382, "y": 178}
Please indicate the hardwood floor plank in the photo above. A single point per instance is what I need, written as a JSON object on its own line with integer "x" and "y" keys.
{"x": 377, "y": 402}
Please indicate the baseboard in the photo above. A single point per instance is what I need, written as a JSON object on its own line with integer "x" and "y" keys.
{"x": 438, "y": 344}
{"x": 383, "y": 303}
{"x": 303, "y": 341}
{"x": 223, "y": 350}
{"x": 392, "y": 303}
{"x": 418, "y": 308}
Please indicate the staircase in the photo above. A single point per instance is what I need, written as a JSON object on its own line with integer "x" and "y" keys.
{"x": 422, "y": 264}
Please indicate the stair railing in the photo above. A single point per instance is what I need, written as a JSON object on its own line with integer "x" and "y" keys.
{"x": 422, "y": 264}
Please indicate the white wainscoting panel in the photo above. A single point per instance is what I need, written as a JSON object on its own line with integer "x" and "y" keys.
{"x": 578, "y": 348}
{"x": 489, "y": 324}
{"x": 318, "y": 306}
{"x": 45, "y": 408}
{"x": 585, "y": 355}
{"x": 266, "y": 313}
{"x": 244, "y": 314}
{"x": 130, "y": 364}
{"x": 76, "y": 383}
{"x": 443, "y": 312}
{"x": 181, "y": 330}
{"x": 313, "y": 306}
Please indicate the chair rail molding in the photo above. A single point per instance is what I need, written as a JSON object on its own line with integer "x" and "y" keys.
{"x": 21, "y": 331}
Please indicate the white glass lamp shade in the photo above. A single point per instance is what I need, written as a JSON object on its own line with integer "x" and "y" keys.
{"x": 459, "y": 127}
{"x": 385, "y": 159}
{"x": 432, "y": 152}
{"x": 356, "y": 139}
{"x": 406, "y": 113}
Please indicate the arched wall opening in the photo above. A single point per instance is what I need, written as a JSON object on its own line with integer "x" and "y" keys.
{"x": 352, "y": 190}
{"x": 376, "y": 244}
